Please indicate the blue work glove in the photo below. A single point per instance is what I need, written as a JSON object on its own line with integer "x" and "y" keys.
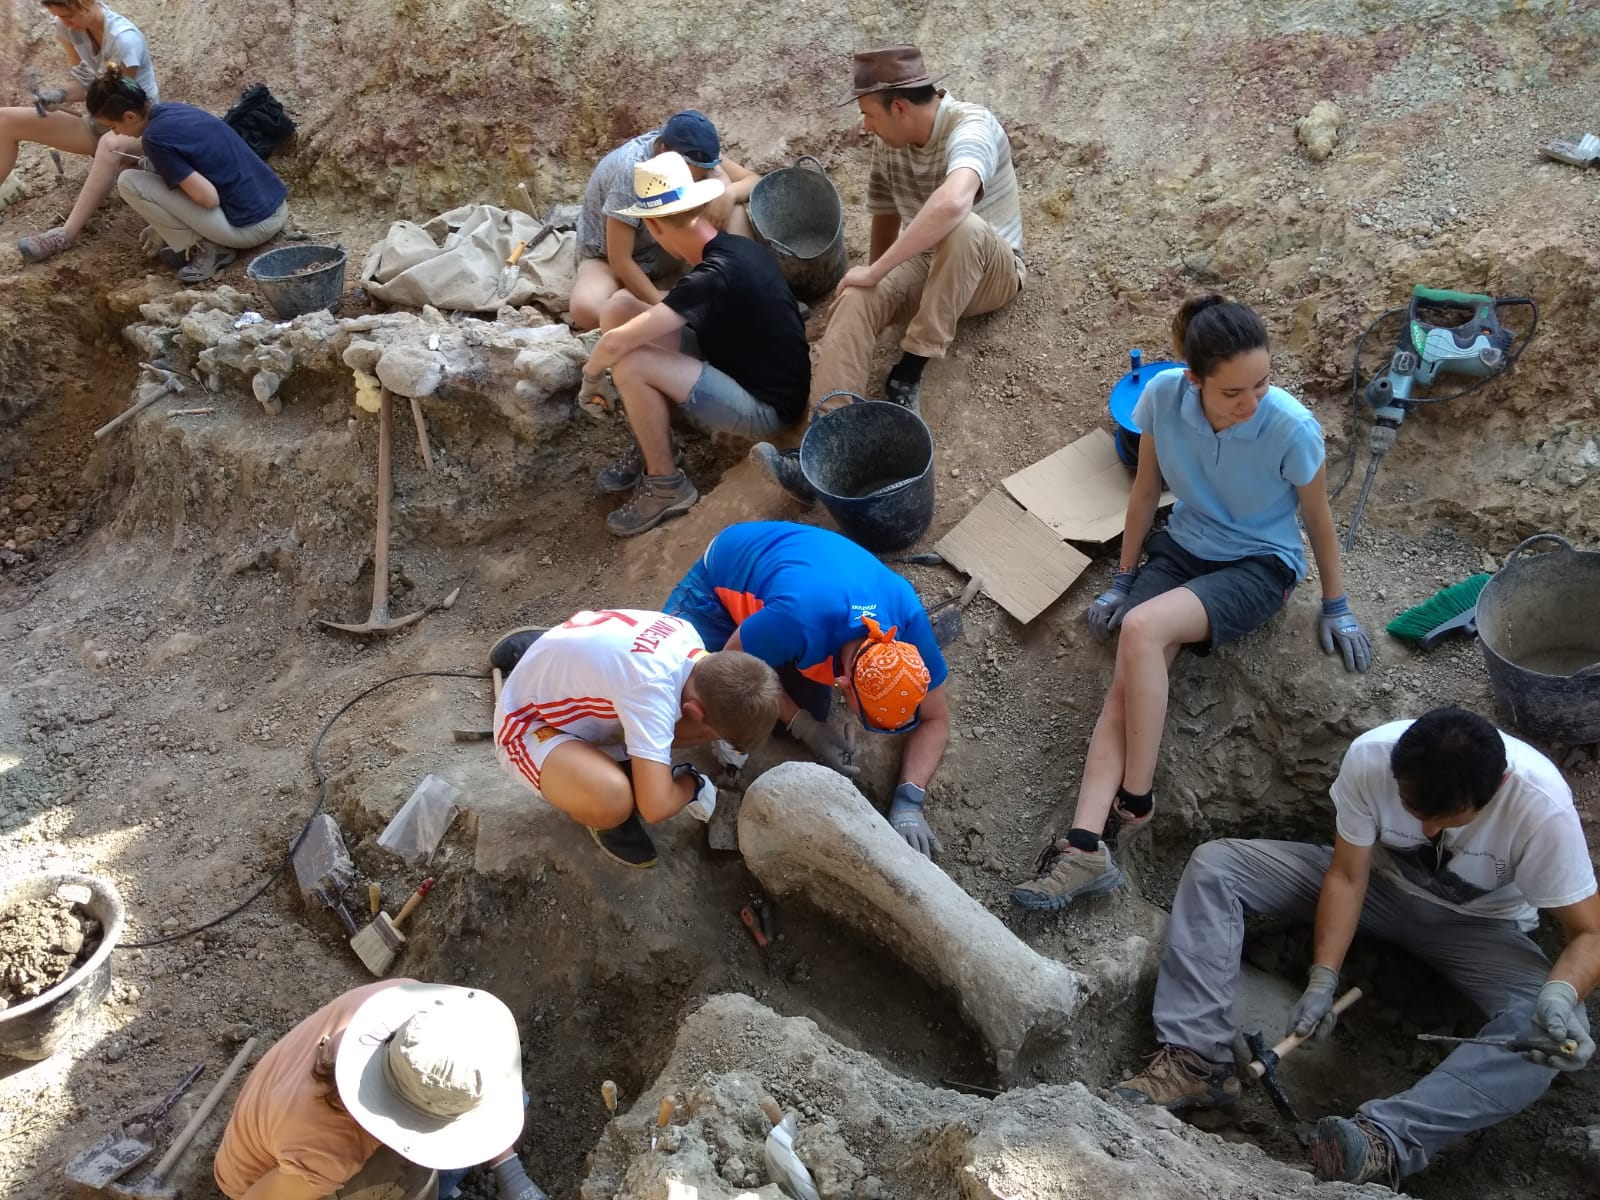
{"x": 905, "y": 814}
{"x": 1339, "y": 626}
{"x": 1313, "y": 1012}
{"x": 1109, "y": 607}
{"x": 514, "y": 1181}
{"x": 1557, "y": 1019}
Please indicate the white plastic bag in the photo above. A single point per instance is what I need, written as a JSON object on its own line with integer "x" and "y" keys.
{"x": 420, "y": 825}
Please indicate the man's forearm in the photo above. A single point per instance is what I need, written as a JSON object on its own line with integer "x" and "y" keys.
{"x": 925, "y": 747}
{"x": 932, "y": 224}
{"x": 1579, "y": 964}
{"x": 1338, "y": 915}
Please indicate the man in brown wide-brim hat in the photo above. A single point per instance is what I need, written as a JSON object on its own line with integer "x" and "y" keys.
{"x": 946, "y": 232}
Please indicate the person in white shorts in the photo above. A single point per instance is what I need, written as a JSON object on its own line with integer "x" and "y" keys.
{"x": 592, "y": 710}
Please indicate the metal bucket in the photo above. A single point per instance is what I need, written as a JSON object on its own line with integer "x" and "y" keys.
{"x": 290, "y": 288}
{"x": 1541, "y": 641}
{"x": 796, "y": 213}
{"x": 871, "y": 464}
{"x": 34, "y": 1028}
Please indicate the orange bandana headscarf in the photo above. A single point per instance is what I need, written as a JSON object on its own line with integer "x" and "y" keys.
{"x": 890, "y": 677}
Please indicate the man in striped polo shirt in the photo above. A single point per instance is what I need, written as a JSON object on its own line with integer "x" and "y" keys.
{"x": 592, "y": 710}
{"x": 946, "y": 227}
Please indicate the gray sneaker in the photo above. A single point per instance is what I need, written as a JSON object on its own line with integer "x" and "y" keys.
{"x": 205, "y": 260}
{"x": 784, "y": 467}
{"x": 655, "y": 499}
{"x": 39, "y": 246}
{"x": 1064, "y": 873}
{"x": 623, "y": 474}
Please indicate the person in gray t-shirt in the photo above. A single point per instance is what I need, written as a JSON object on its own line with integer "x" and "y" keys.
{"x": 92, "y": 36}
{"x": 617, "y": 254}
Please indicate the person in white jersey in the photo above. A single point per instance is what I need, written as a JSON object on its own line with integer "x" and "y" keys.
{"x": 1450, "y": 837}
{"x": 592, "y": 710}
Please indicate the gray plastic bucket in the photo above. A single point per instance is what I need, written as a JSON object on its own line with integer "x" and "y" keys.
{"x": 871, "y": 464}
{"x": 796, "y": 213}
{"x": 35, "y": 1028}
{"x": 1541, "y": 643}
{"x": 290, "y": 288}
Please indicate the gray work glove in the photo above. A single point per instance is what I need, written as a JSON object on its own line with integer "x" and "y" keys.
{"x": 83, "y": 73}
{"x": 1338, "y": 626}
{"x": 1557, "y": 1018}
{"x": 1313, "y": 1013}
{"x": 514, "y": 1181}
{"x": 1110, "y": 606}
{"x": 826, "y": 743}
{"x": 51, "y": 98}
{"x": 905, "y": 815}
{"x": 151, "y": 242}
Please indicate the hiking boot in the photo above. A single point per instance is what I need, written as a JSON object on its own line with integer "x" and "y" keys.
{"x": 205, "y": 260}
{"x": 175, "y": 260}
{"x": 906, "y": 395}
{"x": 1123, "y": 823}
{"x": 508, "y": 651}
{"x": 1064, "y": 873}
{"x": 1178, "y": 1078}
{"x": 627, "y": 843}
{"x": 784, "y": 467}
{"x": 1353, "y": 1150}
{"x": 40, "y": 246}
{"x": 655, "y": 499}
{"x": 623, "y": 474}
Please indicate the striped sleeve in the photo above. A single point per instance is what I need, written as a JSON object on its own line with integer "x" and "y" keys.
{"x": 880, "y": 197}
{"x": 973, "y": 144}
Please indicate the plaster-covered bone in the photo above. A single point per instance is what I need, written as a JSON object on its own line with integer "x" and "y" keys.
{"x": 411, "y": 370}
{"x": 806, "y": 829}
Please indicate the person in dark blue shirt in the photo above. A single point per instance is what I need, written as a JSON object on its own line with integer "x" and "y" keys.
{"x": 205, "y": 193}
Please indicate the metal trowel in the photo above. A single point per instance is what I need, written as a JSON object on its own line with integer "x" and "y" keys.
{"x": 946, "y": 615}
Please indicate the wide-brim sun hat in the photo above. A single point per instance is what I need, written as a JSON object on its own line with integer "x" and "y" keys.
{"x": 887, "y": 68}
{"x": 434, "y": 1072}
{"x": 664, "y": 185}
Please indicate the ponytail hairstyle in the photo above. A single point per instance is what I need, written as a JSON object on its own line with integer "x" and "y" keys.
{"x": 1209, "y": 330}
{"x": 113, "y": 95}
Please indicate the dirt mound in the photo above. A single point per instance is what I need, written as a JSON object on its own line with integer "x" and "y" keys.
{"x": 41, "y": 943}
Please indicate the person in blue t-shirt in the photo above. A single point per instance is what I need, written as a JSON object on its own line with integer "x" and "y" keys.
{"x": 827, "y": 614}
{"x": 203, "y": 190}
{"x": 1243, "y": 459}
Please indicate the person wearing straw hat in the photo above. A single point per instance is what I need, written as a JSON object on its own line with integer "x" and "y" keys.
{"x": 827, "y": 615}
{"x": 389, "y": 1092}
{"x": 616, "y": 253}
{"x": 727, "y": 343}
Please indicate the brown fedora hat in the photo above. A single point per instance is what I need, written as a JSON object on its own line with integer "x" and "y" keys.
{"x": 888, "y": 67}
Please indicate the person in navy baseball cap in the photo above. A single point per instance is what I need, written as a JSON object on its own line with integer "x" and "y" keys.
{"x": 617, "y": 255}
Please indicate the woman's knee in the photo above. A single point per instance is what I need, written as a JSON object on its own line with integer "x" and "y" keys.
{"x": 1144, "y": 629}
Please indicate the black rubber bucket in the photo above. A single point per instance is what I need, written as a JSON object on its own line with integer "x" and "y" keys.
{"x": 796, "y": 213}
{"x": 1541, "y": 641}
{"x": 290, "y": 288}
{"x": 871, "y": 464}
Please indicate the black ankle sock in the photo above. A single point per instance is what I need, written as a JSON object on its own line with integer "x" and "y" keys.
{"x": 1137, "y": 806}
{"x": 908, "y": 369}
{"x": 1082, "y": 839}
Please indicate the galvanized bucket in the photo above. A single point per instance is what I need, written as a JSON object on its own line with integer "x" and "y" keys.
{"x": 35, "y": 1028}
{"x": 1541, "y": 641}
{"x": 796, "y": 213}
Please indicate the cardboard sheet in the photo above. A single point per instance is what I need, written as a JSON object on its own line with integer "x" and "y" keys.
{"x": 1081, "y": 491}
{"x": 1024, "y": 563}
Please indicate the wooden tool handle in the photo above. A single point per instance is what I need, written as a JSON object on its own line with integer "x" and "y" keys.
{"x": 664, "y": 1112}
{"x": 1293, "y": 1040}
{"x": 770, "y": 1107}
{"x": 499, "y": 683}
{"x": 374, "y": 896}
{"x": 608, "y": 1093}
{"x": 516, "y": 254}
{"x": 423, "y": 889}
{"x": 186, "y": 1135}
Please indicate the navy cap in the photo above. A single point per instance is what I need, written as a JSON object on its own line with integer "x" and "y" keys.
{"x": 692, "y": 135}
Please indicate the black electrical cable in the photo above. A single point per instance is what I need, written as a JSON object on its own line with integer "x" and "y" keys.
{"x": 322, "y": 799}
{"x": 1355, "y": 379}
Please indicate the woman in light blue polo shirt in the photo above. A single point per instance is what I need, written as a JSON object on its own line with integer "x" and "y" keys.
{"x": 1245, "y": 460}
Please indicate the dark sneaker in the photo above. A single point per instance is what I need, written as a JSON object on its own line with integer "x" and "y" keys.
{"x": 205, "y": 260}
{"x": 1064, "y": 873}
{"x": 40, "y": 246}
{"x": 655, "y": 499}
{"x": 627, "y": 844}
{"x": 784, "y": 467}
{"x": 508, "y": 651}
{"x": 623, "y": 474}
{"x": 1177, "y": 1079}
{"x": 1353, "y": 1150}
{"x": 906, "y": 395}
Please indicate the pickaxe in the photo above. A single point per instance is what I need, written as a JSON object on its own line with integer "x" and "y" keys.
{"x": 1265, "y": 1061}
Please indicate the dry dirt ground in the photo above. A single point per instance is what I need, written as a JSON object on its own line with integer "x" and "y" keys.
{"x": 163, "y": 675}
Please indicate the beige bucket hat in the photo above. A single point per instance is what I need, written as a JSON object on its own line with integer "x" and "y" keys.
{"x": 663, "y": 185}
{"x": 434, "y": 1072}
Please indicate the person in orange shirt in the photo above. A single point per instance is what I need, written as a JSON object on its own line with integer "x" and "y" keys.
{"x": 392, "y": 1089}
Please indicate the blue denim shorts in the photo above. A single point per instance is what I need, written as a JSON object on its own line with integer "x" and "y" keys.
{"x": 720, "y": 403}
